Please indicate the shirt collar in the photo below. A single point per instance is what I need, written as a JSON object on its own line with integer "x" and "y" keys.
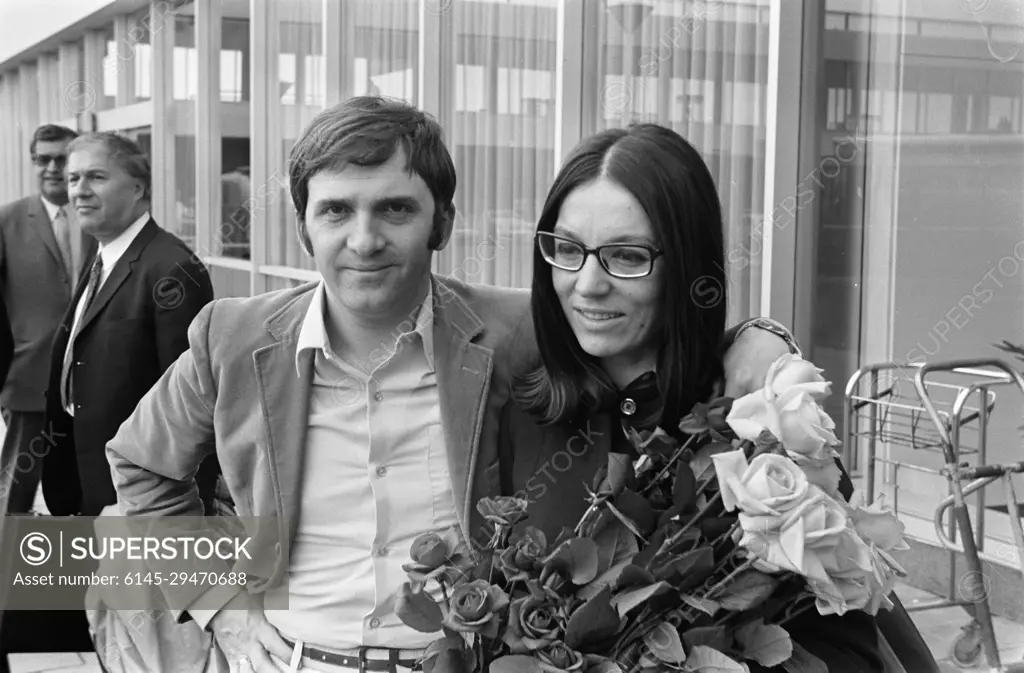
{"x": 313, "y": 332}
{"x": 51, "y": 208}
{"x": 112, "y": 251}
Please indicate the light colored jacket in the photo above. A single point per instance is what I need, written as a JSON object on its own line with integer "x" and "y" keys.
{"x": 237, "y": 389}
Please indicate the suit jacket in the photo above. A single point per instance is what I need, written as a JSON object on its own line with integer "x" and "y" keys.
{"x": 6, "y": 343}
{"x": 134, "y": 330}
{"x": 36, "y": 293}
{"x": 237, "y": 389}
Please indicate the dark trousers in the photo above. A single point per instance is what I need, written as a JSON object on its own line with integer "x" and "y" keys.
{"x": 20, "y": 468}
{"x": 21, "y": 460}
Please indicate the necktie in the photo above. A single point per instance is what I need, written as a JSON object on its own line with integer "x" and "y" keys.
{"x": 62, "y": 232}
{"x": 90, "y": 293}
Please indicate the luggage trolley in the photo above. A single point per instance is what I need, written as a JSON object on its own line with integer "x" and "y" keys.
{"x": 908, "y": 410}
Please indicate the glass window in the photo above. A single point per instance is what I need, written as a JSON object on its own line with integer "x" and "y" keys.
{"x": 702, "y": 70}
{"x": 502, "y": 136}
{"x": 183, "y": 99}
{"x": 232, "y": 238}
{"x": 918, "y": 207}
{"x": 299, "y": 96}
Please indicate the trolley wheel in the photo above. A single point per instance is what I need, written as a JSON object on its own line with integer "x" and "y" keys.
{"x": 966, "y": 649}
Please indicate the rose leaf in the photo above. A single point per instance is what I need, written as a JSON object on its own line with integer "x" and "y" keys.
{"x": 594, "y": 621}
{"x": 748, "y": 590}
{"x": 704, "y": 659}
{"x": 709, "y": 636}
{"x": 803, "y": 661}
{"x": 767, "y": 644}
{"x": 663, "y": 642}
{"x": 418, "y": 611}
{"x": 448, "y": 655}
{"x": 627, "y": 601}
{"x": 684, "y": 490}
{"x": 516, "y": 663}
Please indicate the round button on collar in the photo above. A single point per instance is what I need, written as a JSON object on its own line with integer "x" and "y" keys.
{"x": 628, "y": 406}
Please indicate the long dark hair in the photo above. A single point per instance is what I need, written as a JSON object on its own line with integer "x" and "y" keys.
{"x": 670, "y": 180}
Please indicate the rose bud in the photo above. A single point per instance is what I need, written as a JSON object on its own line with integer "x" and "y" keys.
{"x": 429, "y": 550}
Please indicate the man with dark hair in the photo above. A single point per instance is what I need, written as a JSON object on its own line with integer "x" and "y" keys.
{"x": 42, "y": 253}
{"x": 360, "y": 410}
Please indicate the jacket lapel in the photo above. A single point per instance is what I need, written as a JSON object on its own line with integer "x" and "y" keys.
{"x": 39, "y": 222}
{"x": 284, "y": 407}
{"x": 463, "y": 379}
{"x": 119, "y": 274}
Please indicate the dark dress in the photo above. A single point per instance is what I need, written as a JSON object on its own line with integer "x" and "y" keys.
{"x": 551, "y": 467}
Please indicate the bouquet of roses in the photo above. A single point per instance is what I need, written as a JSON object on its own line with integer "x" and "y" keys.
{"x": 691, "y": 556}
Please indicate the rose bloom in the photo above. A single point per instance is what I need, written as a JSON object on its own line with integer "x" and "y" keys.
{"x": 524, "y": 554}
{"x": 788, "y": 407}
{"x": 769, "y": 486}
{"x": 438, "y": 556}
{"x": 476, "y": 607}
{"x": 808, "y": 540}
{"x": 786, "y": 522}
{"x": 560, "y": 658}
{"x": 534, "y": 623}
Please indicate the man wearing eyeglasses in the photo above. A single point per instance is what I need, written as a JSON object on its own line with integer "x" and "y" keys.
{"x": 42, "y": 254}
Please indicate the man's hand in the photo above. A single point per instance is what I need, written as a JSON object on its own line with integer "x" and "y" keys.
{"x": 748, "y": 360}
{"x": 247, "y": 638}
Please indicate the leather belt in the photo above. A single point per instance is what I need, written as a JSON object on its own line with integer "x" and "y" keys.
{"x": 359, "y": 661}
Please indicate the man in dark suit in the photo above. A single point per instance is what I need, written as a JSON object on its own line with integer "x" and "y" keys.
{"x": 42, "y": 254}
{"x": 127, "y": 323}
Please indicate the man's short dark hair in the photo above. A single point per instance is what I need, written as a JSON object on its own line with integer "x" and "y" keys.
{"x": 122, "y": 150}
{"x": 49, "y": 133}
{"x": 367, "y": 131}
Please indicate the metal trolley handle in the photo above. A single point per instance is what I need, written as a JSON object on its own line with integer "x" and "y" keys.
{"x": 922, "y": 392}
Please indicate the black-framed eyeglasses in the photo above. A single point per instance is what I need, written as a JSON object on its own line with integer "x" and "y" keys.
{"x": 43, "y": 160}
{"x": 621, "y": 260}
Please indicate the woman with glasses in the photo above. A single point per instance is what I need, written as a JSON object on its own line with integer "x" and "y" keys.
{"x": 629, "y": 312}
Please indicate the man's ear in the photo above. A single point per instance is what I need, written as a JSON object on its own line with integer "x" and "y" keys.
{"x": 444, "y": 223}
{"x": 303, "y": 233}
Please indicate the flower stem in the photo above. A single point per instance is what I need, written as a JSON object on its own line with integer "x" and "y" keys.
{"x": 726, "y": 535}
{"x": 796, "y": 613}
{"x": 668, "y": 466}
{"x": 446, "y": 606}
{"x": 728, "y": 578}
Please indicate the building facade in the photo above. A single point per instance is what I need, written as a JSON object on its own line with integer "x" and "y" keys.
{"x": 869, "y": 154}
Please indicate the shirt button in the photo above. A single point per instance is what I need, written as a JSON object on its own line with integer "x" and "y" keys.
{"x": 628, "y": 407}
{"x": 381, "y": 471}
{"x": 378, "y": 396}
{"x": 382, "y": 551}
{"x": 374, "y": 623}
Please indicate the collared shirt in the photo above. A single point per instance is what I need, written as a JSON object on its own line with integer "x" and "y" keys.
{"x": 75, "y": 235}
{"x": 110, "y": 252}
{"x": 375, "y": 476}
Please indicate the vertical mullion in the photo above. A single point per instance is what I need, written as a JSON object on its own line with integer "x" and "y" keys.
{"x": 70, "y": 79}
{"x": 262, "y": 75}
{"x": 90, "y": 99}
{"x": 436, "y": 77}
{"x": 569, "y": 78}
{"x": 164, "y": 129}
{"x": 208, "y": 128}
{"x": 781, "y": 159}
{"x": 437, "y": 62}
{"x": 813, "y": 99}
{"x": 339, "y": 33}
{"x": 123, "y": 42}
